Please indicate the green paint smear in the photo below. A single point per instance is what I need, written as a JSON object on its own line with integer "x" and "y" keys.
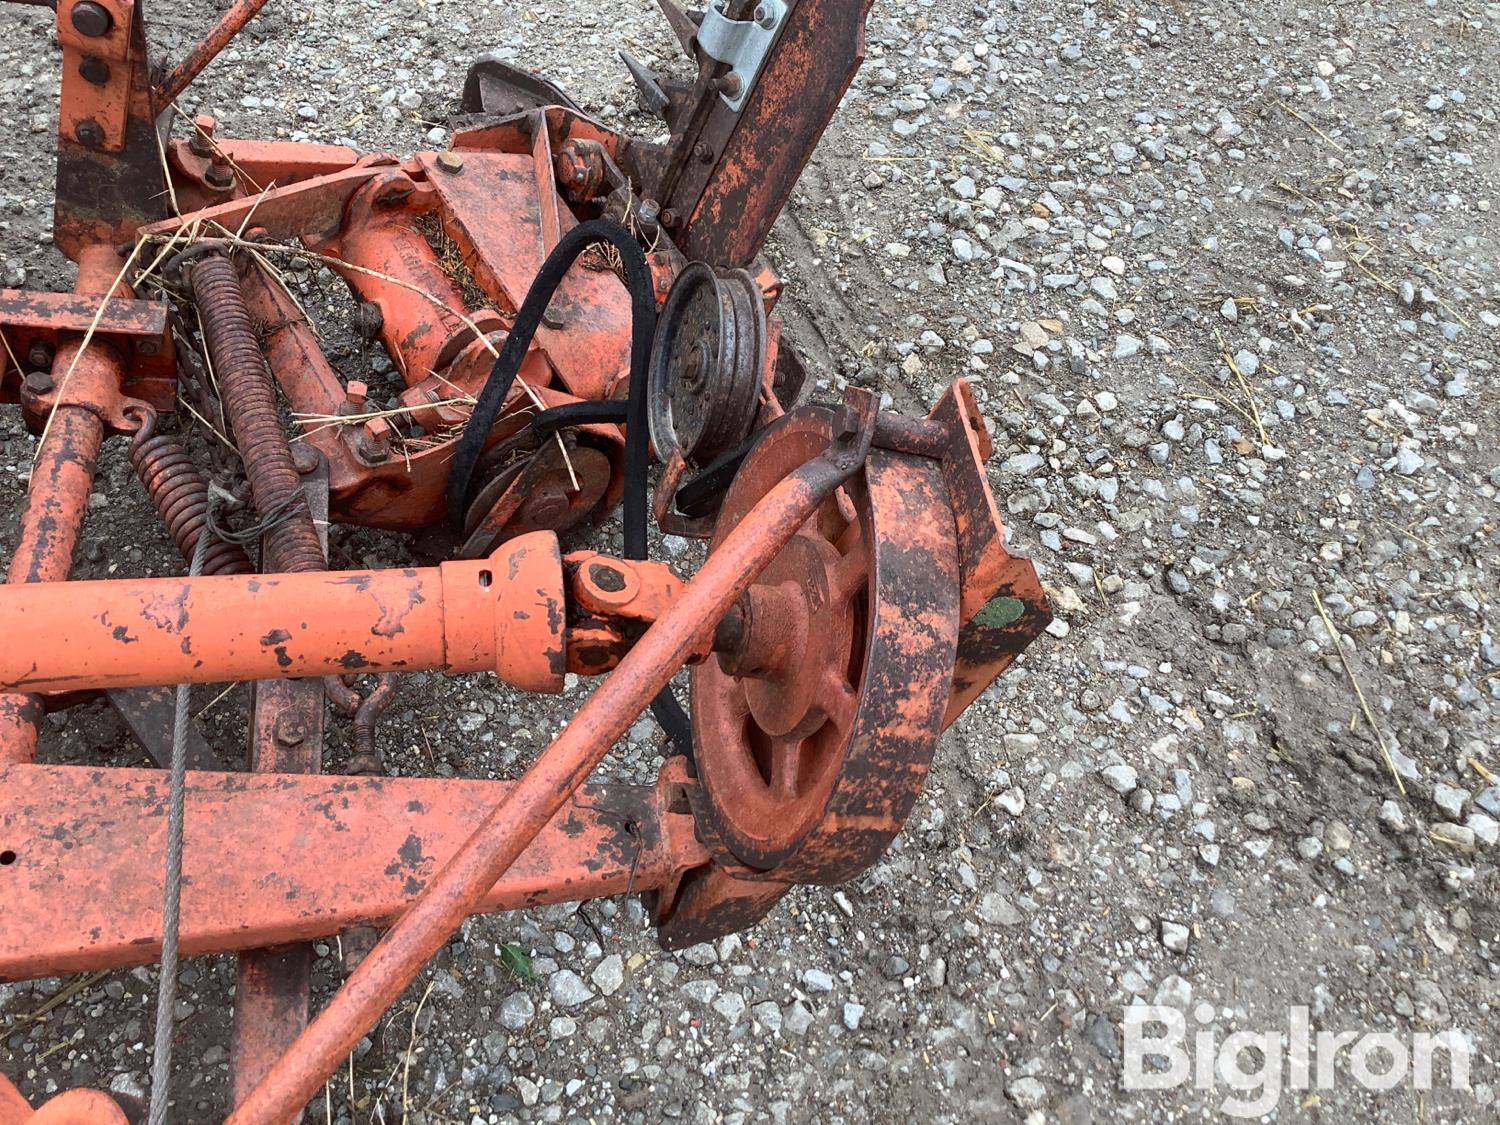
{"x": 999, "y": 612}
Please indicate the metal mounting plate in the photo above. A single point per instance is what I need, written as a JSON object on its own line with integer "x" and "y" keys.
{"x": 743, "y": 44}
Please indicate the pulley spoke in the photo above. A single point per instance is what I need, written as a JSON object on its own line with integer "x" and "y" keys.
{"x": 786, "y": 760}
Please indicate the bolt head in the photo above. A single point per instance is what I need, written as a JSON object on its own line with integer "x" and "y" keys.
{"x": 290, "y": 730}
{"x": 201, "y": 139}
{"x": 40, "y": 354}
{"x": 39, "y": 382}
{"x": 91, "y": 19}
{"x": 89, "y": 134}
{"x": 220, "y": 174}
{"x": 356, "y": 392}
{"x": 94, "y": 71}
{"x": 450, "y": 162}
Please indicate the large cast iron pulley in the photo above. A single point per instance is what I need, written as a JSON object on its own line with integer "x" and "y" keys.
{"x": 706, "y": 364}
{"x": 816, "y": 722}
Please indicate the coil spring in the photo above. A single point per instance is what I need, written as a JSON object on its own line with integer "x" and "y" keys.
{"x": 180, "y": 494}
{"x": 249, "y": 395}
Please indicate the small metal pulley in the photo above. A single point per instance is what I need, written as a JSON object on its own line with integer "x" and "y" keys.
{"x": 706, "y": 364}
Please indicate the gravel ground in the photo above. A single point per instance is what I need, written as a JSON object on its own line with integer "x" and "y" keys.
{"x": 1225, "y": 281}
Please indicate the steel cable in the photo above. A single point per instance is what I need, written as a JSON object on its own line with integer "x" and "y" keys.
{"x": 166, "y": 996}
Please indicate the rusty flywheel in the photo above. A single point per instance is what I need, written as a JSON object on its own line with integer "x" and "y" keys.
{"x": 816, "y": 723}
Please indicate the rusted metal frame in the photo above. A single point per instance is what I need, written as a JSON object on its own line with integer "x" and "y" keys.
{"x": 1002, "y": 606}
{"x": 490, "y": 209}
{"x": 514, "y": 134}
{"x": 109, "y": 173}
{"x": 536, "y": 798}
{"x": 712, "y": 900}
{"x": 273, "y": 986}
{"x": 401, "y": 492}
{"x": 62, "y": 477}
{"x": 98, "y": 41}
{"x": 285, "y": 162}
{"x": 25, "y": 311}
{"x": 281, "y": 859}
{"x": 660, "y": 168}
{"x": 725, "y": 208}
{"x": 421, "y": 312}
{"x": 176, "y": 80}
{"x": 306, "y": 209}
{"x": 56, "y": 500}
{"x": 34, "y": 325}
{"x": 503, "y": 614}
{"x": 549, "y": 225}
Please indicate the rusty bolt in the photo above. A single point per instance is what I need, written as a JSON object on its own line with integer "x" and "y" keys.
{"x": 91, "y": 19}
{"x": 450, "y": 162}
{"x": 148, "y": 346}
{"x": 201, "y": 140}
{"x": 669, "y": 218}
{"x": 729, "y": 85}
{"x": 220, "y": 174}
{"x": 290, "y": 730}
{"x": 703, "y": 153}
{"x": 40, "y": 353}
{"x": 88, "y": 133}
{"x": 375, "y": 440}
{"x": 39, "y": 382}
{"x": 94, "y": 71}
{"x": 356, "y": 392}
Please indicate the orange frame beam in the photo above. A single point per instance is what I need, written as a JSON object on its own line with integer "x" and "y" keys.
{"x": 276, "y": 858}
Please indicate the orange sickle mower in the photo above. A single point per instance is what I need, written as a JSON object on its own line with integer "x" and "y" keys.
{"x": 560, "y": 305}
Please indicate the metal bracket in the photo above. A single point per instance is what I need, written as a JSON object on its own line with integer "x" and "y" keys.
{"x": 743, "y": 44}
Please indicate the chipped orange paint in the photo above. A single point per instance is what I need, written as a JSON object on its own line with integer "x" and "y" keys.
{"x": 502, "y": 614}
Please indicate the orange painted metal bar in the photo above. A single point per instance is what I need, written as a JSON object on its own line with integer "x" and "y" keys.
{"x": 502, "y": 614}
{"x": 273, "y": 987}
{"x": 62, "y": 477}
{"x": 230, "y": 24}
{"x": 506, "y": 832}
{"x": 277, "y": 858}
{"x": 71, "y": 1107}
{"x": 14, "y": 1109}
